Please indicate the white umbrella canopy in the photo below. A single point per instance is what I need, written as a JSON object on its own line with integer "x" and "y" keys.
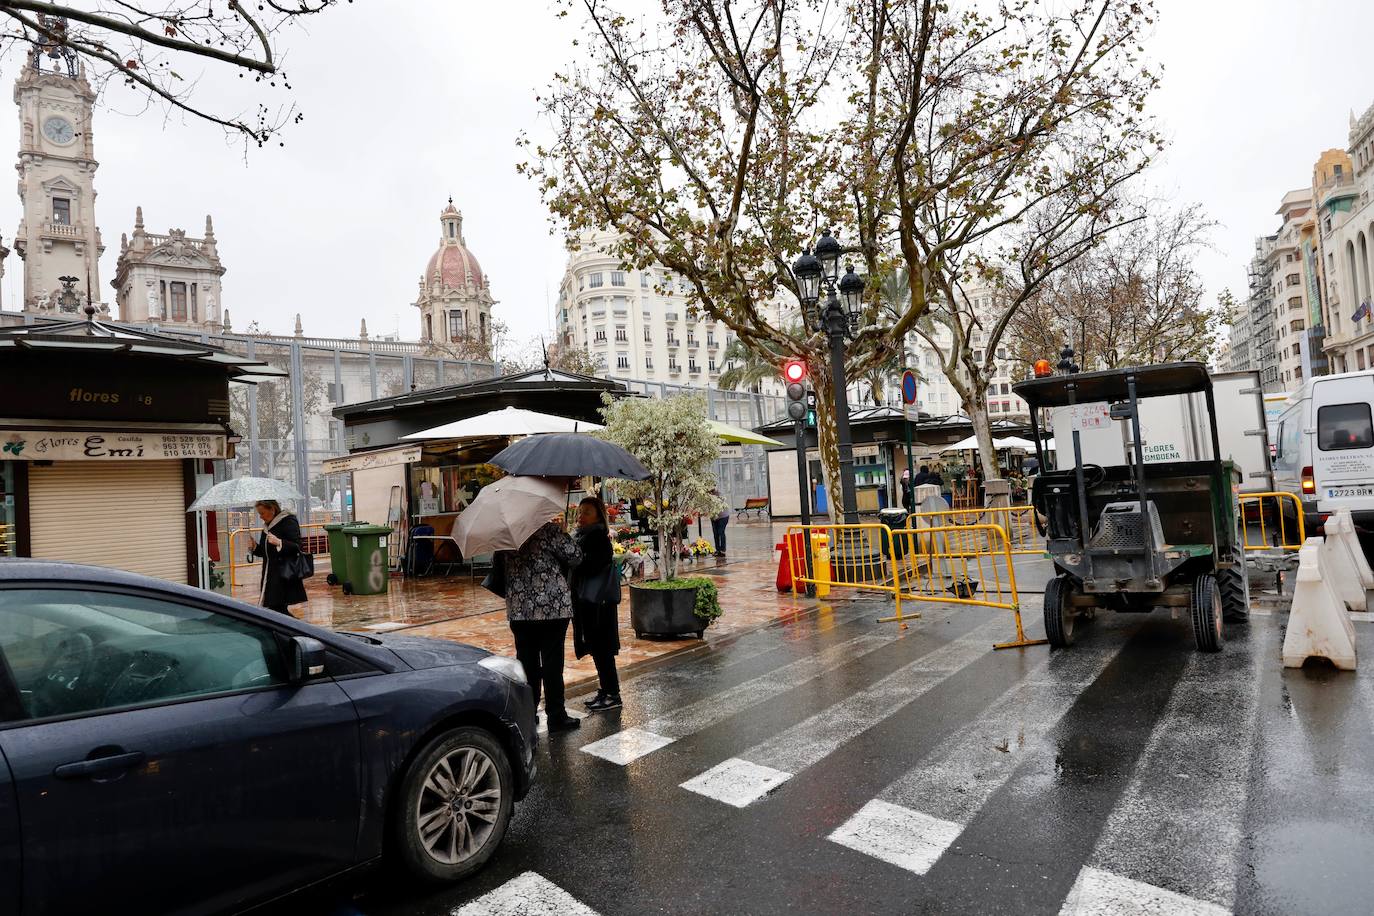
{"x": 244, "y": 491}
{"x": 506, "y": 512}
{"x": 509, "y": 421}
{"x": 971, "y": 444}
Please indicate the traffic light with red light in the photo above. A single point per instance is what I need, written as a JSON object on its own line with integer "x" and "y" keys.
{"x": 794, "y": 374}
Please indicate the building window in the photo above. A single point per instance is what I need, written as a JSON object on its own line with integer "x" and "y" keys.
{"x": 595, "y": 280}
{"x": 711, "y": 364}
{"x": 1297, "y": 324}
{"x": 621, "y": 335}
{"x": 482, "y": 323}
{"x": 622, "y": 361}
{"x": 617, "y": 278}
{"x": 178, "y": 294}
{"x": 644, "y": 280}
{"x": 429, "y": 327}
{"x": 61, "y": 211}
{"x": 1293, "y": 280}
{"x": 648, "y": 336}
{"x": 1295, "y": 303}
{"x": 648, "y": 362}
{"x": 455, "y": 325}
{"x": 195, "y": 310}
{"x": 710, "y": 338}
{"x": 452, "y": 230}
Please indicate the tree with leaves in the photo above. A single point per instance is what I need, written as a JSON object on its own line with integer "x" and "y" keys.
{"x": 152, "y": 46}
{"x": 1135, "y": 300}
{"x": 970, "y": 145}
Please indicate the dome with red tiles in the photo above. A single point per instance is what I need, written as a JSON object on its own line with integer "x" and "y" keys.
{"x": 455, "y": 264}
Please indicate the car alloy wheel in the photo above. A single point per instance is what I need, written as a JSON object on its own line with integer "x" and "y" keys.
{"x": 459, "y": 805}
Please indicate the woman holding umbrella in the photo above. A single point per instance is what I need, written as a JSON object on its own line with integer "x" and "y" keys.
{"x": 279, "y": 546}
{"x": 596, "y": 594}
{"x": 539, "y": 608}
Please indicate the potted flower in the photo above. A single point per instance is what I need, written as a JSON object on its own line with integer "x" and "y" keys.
{"x": 670, "y": 437}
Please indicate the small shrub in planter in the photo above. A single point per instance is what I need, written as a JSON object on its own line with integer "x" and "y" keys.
{"x": 675, "y": 607}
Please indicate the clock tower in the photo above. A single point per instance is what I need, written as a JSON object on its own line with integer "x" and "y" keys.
{"x": 57, "y": 235}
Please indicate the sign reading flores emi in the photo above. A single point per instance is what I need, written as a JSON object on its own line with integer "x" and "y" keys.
{"x": 107, "y": 446}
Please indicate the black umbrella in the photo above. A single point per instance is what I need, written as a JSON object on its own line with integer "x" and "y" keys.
{"x": 569, "y": 455}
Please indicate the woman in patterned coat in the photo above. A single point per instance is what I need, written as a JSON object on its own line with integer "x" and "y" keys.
{"x": 539, "y": 608}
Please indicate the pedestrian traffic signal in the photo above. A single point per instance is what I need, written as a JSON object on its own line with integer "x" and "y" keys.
{"x": 811, "y": 408}
{"x": 794, "y": 371}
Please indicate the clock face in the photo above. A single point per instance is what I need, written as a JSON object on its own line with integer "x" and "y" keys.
{"x": 59, "y": 130}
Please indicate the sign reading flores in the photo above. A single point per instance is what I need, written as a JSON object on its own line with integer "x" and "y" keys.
{"x": 107, "y": 446}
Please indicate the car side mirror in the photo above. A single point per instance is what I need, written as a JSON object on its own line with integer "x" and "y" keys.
{"x": 306, "y": 659}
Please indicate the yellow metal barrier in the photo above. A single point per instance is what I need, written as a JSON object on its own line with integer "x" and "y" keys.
{"x": 1017, "y": 522}
{"x": 845, "y": 556}
{"x": 961, "y": 564}
{"x": 1290, "y": 534}
{"x": 234, "y": 565}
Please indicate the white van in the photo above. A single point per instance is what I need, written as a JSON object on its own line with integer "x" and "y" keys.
{"x": 1325, "y": 453}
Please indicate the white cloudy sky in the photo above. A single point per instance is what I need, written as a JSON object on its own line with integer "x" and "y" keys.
{"x": 405, "y": 110}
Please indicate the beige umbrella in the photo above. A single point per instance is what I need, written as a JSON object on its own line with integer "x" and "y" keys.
{"x": 506, "y": 512}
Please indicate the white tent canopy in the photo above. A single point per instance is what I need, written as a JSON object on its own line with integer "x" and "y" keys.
{"x": 971, "y": 444}
{"x": 509, "y": 421}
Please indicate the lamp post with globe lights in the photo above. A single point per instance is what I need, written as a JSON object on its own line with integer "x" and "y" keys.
{"x": 838, "y": 318}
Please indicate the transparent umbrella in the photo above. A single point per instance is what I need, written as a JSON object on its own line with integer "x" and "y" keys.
{"x": 244, "y": 491}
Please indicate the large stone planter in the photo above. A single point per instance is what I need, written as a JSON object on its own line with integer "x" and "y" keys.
{"x": 665, "y": 612}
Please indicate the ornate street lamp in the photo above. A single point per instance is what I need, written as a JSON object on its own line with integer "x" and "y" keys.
{"x": 838, "y": 319}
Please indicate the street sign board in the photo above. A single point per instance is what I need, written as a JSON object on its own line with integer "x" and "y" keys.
{"x": 908, "y": 387}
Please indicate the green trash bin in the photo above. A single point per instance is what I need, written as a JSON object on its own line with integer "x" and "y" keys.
{"x": 337, "y": 558}
{"x": 366, "y": 559}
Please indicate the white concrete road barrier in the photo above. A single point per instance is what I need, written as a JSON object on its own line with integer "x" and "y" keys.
{"x": 1341, "y": 527}
{"x": 1319, "y": 625}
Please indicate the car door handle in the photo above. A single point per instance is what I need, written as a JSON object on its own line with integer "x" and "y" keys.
{"x": 100, "y": 766}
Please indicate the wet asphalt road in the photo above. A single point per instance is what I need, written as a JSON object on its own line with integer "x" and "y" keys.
{"x": 834, "y": 765}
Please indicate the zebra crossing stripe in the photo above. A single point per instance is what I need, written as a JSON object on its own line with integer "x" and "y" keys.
{"x": 527, "y": 894}
{"x": 736, "y": 782}
{"x": 897, "y": 835}
{"x": 1101, "y": 893}
{"x": 920, "y": 815}
{"x": 686, "y": 720}
{"x": 816, "y": 737}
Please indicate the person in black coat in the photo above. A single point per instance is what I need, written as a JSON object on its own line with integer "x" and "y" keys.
{"x": 280, "y": 541}
{"x": 596, "y": 597}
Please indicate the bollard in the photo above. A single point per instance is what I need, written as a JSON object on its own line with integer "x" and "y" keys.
{"x": 1318, "y": 625}
{"x": 820, "y": 561}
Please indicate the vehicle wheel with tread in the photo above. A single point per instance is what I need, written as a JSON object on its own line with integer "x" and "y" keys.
{"x": 1207, "y": 614}
{"x": 1235, "y": 594}
{"x": 332, "y": 579}
{"x": 455, "y": 804}
{"x": 1059, "y": 614}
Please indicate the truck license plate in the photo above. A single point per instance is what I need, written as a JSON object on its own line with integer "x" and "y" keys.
{"x": 1348, "y": 492}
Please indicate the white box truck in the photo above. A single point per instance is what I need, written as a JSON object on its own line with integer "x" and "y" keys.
{"x": 1175, "y": 428}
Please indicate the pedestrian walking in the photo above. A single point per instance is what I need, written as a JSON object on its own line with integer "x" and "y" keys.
{"x": 539, "y": 608}
{"x": 718, "y": 523}
{"x": 279, "y": 546}
{"x": 909, "y": 491}
{"x": 596, "y": 597}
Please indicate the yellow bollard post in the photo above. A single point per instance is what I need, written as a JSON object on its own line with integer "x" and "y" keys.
{"x": 820, "y": 562}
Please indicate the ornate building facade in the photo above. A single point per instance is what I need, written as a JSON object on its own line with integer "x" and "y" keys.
{"x": 455, "y": 296}
{"x": 57, "y": 235}
{"x": 170, "y": 279}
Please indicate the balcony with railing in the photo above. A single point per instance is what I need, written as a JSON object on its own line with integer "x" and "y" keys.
{"x": 63, "y": 231}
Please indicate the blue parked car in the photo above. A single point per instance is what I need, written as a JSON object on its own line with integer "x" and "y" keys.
{"x": 164, "y": 749}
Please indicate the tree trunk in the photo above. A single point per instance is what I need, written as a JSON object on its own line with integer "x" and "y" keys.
{"x": 982, "y": 428}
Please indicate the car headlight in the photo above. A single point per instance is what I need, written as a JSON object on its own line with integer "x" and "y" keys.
{"x": 508, "y": 668}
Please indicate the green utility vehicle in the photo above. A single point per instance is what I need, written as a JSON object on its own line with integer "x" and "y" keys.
{"x": 1149, "y": 532}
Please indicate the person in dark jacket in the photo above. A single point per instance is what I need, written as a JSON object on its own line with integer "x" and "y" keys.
{"x": 539, "y": 606}
{"x": 596, "y": 597}
{"x": 280, "y": 542}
